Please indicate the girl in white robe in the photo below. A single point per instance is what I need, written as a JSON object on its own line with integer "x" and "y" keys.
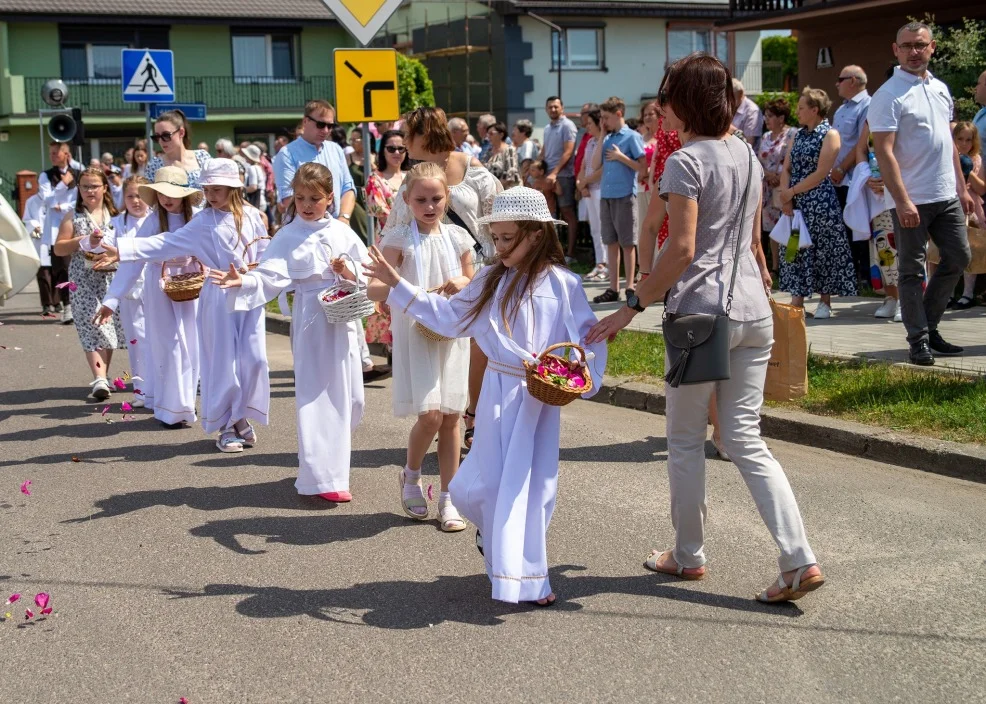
{"x": 234, "y": 376}
{"x": 526, "y": 300}
{"x": 171, "y": 347}
{"x": 126, "y": 224}
{"x": 306, "y": 256}
{"x": 430, "y": 377}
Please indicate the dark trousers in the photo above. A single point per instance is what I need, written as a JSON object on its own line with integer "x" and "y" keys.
{"x": 860, "y": 250}
{"x": 944, "y": 223}
{"x": 59, "y": 275}
{"x": 46, "y": 287}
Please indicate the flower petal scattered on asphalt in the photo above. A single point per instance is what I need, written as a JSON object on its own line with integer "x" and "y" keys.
{"x": 25, "y": 489}
{"x": 133, "y": 341}
{"x": 28, "y": 614}
{"x": 126, "y": 407}
{"x": 105, "y": 410}
{"x": 136, "y": 378}
{"x": 430, "y": 497}
{"x": 76, "y": 458}
{"x": 182, "y": 700}
{"x": 41, "y": 600}
{"x": 11, "y": 599}
{"x": 119, "y": 384}
{"x": 45, "y": 612}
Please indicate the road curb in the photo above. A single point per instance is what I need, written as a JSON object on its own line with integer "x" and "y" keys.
{"x": 950, "y": 459}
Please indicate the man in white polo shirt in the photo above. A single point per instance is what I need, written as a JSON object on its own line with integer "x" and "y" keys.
{"x": 909, "y": 117}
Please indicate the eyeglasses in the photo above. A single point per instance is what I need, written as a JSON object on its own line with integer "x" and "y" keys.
{"x": 395, "y": 150}
{"x": 840, "y": 79}
{"x": 917, "y": 46}
{"x": 319, "y": 124}
{"x": 90, "y": 189}
{"x": 164, "y": 136}
{"x": 662, "y": 97}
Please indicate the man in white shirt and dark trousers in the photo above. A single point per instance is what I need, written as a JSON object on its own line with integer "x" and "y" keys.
{"x": 57, "y": 187}
{"x": 909, "y": 117}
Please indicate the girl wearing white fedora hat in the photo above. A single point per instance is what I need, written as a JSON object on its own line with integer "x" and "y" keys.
{"x": 171, "y": 331}
{"x": 235, "y": 384}
{"x": 526, "y": 300}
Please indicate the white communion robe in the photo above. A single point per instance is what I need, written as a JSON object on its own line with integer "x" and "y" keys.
{"x": 508, "y": 482}
{"x": 171, "y": 345}
{"x": 234, "y": 372}
{"x": 327, "y": 368}
{"x": 132, "y": 311}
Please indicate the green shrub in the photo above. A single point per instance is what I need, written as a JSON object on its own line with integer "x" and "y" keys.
{"x": 792, "y": 99}
{"x": 414, "y": 87}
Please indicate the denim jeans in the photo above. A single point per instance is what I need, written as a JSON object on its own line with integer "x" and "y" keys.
{"x": 944, "y": 223}
{"x": 739, "y": 400}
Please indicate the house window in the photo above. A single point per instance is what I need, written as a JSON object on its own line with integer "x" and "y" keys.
{"x": 92, "y": 63}
{"x": 682, "y": 42}
{"x": 264, "y": 57}
{"x": 577, "y": 48}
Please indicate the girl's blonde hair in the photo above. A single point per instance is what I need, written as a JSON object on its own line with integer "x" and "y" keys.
{"x": 426, "y": 171}
{"x": 186, "y": 212}
{"x": 235, "y": 204}
{"x": 136, "y": 180}
{"x": 976, "y": 142}
{"x": 310, "y": 177}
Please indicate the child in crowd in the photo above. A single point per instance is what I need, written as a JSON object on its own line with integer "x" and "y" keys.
{"x": 966, "y": 138}
{"x": 126, "y": 224}
{"x": 306, "y": 256}
{"x": 430, "y": 377}
{"x": 235, "y": 382}
{"x": 171, "y": 353}
{"x": 525, "y": 301}
{"x": 537, "y": 180}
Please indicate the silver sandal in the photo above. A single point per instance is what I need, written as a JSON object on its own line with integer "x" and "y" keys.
{"x": 228, "y": 442}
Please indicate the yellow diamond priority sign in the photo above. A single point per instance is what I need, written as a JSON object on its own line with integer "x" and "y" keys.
{"x": 362, "y": 18}
{"x": 366, "y": 85}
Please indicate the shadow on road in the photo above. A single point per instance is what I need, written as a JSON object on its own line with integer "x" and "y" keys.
{"x": 128, "y": 453}
{"x": 640, "y": 451}
{"x": 300, "y": 530}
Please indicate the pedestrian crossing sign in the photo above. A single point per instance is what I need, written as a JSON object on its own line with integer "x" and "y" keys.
{"x": 148, "y": 76}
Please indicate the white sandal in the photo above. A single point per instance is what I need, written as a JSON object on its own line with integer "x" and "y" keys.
{"x": 248, "y": 435}
{"x": 228, "y": 442}
{"x": 796, "y": 589}
{"x": 449, "y": 518}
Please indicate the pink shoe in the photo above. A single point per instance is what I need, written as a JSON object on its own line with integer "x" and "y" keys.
{"x": 339, "y": 497}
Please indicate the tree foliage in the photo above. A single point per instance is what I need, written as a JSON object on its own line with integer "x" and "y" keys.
{"x": 959, "y": 58}
{"x": 414, "y": 87}
{"x": 783, "y": 50}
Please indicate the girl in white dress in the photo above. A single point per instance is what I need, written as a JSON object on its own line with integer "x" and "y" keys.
{"x": 430, "y": 378}
{"x": 526, "y": 300}
{"x": 235, "y": 383}
{"x": 171, "y": 361}
{"x": 126, "y": 224}
{"x": 306, "y": 256}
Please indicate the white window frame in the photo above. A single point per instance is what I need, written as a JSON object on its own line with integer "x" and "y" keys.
{"x": 566, "y": 64}
{"x": 269, "y": 60}
{"x": 90, "y": 79}
{"x": 713, "y": 36}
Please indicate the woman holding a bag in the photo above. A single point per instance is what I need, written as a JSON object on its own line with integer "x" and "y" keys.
{"x": 714, "y": 275}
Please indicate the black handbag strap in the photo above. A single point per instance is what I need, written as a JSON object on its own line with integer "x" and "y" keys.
{"x": 739, "y": 236}
{"x": 456, "y": 220}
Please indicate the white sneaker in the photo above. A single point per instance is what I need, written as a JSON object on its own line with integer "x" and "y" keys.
{"x": 887, "y": 309}
{"x": 823, "y": 312}
{"x": 898, "y": 318}
{"x": 67, "y": 315}
{"x": 137, "y": 402}
{"x": 100, "y": 389}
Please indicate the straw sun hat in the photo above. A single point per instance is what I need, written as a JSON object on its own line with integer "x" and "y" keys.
{"x": 519, "y": 204}
{"x": 170, "y": 181}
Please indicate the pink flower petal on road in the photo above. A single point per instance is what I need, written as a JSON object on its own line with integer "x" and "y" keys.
{"x": 28, "y": 614}
{"x": 182, "y": 700}
{"x": 133, "y": 341}
{"x": 11, "y": 599}
{"x": 105, "y": 411}
{"x": 126, "y": 407}
{"x": 25, "y": 489}
{"x": 45, "y": 612}
{"x": 41, "y": 600}
{"x": 119, "y": 384}
{"x": 430, "y": 495}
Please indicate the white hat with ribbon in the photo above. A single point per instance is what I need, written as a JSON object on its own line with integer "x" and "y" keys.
{"x": 220, "y": 172}
{"x": 519, "y": 204}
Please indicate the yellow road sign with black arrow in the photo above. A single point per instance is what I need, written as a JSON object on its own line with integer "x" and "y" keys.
{"x": 366, "y": 85}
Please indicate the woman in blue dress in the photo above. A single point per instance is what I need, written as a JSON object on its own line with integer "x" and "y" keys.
{"x": 826, "y": 267}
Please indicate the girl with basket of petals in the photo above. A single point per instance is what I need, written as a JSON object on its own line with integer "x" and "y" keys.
{"x": 519, "y": 309}
{"x": 171, "y": 354}
{"x": 430, "y": 370}
{"x": 316, "y": 256}
{"x": 235, "y": 384}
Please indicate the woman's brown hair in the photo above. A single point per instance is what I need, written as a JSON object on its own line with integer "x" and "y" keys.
{"x": 699, "y": 89}
{"x": 311, "y": 177}
{"x": 432, "y": 125}
{"x": 177, "y": 118}
{"x": 108, "y": 203}
{"x": 546, "y": 251}
{"x": 134, "y": 166}
{"x": 779, "y": 107}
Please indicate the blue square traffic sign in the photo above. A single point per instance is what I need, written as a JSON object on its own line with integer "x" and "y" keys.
{"x": 148, "y": 76}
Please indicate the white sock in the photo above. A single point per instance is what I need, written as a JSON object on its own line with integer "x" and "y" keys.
{"x": 444, "y": 498}
{"x": 411, "y": 487}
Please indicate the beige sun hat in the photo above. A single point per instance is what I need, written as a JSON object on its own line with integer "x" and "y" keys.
{"x": 170, "y": 181}
{"x": 519, "y": 204}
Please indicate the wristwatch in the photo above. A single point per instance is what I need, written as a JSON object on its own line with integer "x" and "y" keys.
{"x": 347, "y": 216}
{"x": 634, "y": 302}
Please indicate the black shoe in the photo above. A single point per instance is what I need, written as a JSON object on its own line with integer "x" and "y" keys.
{"x": 630, "y": 292}
{"x": 964, "y": 303}
{"x": 950, "y": 304}
{"x": 380, "y": 371}
{"x": 938, "y": 344}
{"x": 180, "y": 425}
{"x": 921, "y": 354}
{"x": 607, "y": 296}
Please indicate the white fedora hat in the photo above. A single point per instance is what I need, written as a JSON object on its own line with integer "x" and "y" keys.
{"x": 252, "y": 152}
{"x": 220, "y": 172}
{"x": 520, "y": 204}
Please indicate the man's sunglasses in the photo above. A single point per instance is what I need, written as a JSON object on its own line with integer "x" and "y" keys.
{"x": 395, "y": 150}
{"x": 840, "y": 79}
{"x": 319, "y": 124}
{"x": 164, "y": 136}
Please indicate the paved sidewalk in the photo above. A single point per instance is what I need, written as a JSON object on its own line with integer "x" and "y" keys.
{"x": 854, "y": 331}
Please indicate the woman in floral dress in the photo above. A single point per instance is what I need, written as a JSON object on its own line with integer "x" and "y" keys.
{"x": 826, "y": 267}
{"x": 774, "y": 146}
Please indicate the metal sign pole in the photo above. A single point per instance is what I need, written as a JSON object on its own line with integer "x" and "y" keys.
{"x": 41, "y": 130}
{"x": 367, "y": 172}
{"x": 148, "y": 132}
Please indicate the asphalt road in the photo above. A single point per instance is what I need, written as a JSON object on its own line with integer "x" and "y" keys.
{"x": 177, "y": 571}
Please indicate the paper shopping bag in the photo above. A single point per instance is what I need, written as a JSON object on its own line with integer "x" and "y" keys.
{"x": 787, "y": 370}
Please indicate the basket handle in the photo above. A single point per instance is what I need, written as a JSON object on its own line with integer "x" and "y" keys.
{"x": 360, "y": 285}
{"x": 164, "y": 265}
{"x": 566, "y": 345}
